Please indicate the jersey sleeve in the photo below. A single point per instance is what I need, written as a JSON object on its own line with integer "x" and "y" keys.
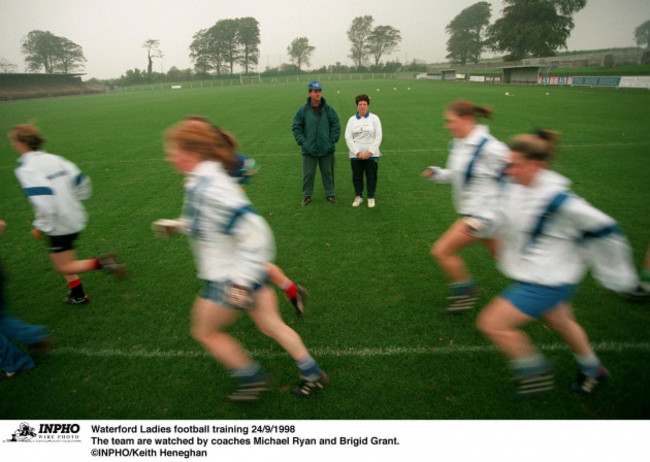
{"x": 605, "y": 246}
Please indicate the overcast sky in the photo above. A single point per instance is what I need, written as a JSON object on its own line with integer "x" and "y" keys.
{"x": 112, "y": 32}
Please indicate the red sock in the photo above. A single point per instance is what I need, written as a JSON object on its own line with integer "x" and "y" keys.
{"x": 97, "y": 264}
{"x": 289, "y": 288}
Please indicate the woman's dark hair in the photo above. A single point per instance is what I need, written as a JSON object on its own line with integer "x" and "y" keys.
{"x": 362, "y": 97}
{"x": 540, "y": 145}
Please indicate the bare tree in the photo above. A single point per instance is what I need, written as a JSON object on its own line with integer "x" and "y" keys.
{"x": 153, "y": 51}
{"x": 7, "y": 67}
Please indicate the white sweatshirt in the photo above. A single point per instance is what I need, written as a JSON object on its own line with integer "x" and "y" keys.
{"x": 54, "y": 186}
{"x": 475, "y": 179}
{"x": 363, "y": 134}
{"x": 231, "y": 242}
{"x": 569, "y": 240}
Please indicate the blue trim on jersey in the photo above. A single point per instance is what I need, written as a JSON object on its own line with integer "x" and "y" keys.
{"x": 551, "y": 208}
{"x": 475, "y": 156}
{"x": 38, "y": 191}
{"x": 79, "y": 179}
{"x": 365, "y": 116}
{"x": 503, "y": 177}
{"x": 237, "y": 214}
{"x": 57, "y": 174}
{"x": 606, "y": 231}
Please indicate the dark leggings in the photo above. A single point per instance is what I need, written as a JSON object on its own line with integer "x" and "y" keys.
{"x": 368, "y": 167}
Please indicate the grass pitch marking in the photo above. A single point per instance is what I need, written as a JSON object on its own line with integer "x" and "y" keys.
{"x": 341, "y": 352}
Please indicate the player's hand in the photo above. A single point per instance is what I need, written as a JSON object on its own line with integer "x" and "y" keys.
{"x": 429, "y": 172}
{"x": 239, "y": 297}
{"x": 36, "y": 234}
{"x": 165, "y": 227}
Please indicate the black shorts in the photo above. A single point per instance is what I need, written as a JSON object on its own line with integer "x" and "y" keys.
{"x": 60, "y": 244}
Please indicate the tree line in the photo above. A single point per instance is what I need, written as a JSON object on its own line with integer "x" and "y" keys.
{"x": 527, "y": 28}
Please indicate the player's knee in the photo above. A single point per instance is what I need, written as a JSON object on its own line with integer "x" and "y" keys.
{"x": 198, "y": 333}
{"x": 486, "y": 325}
{"x": 438, "y": 251}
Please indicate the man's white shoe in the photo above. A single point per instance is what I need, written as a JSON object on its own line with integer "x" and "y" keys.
{"x": 371, "y": 203}
{"x": 357, "y": 201}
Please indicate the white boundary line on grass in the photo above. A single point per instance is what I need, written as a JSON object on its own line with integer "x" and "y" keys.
{"x": 338, "y": 352}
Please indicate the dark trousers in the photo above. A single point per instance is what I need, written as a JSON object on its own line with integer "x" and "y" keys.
{"x": 309, "y": 164}
{"x": 368, "y": 167}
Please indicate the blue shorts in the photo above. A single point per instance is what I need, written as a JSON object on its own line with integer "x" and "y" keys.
{"x": 535, "y": 300}
{"x": 215, "y": 291}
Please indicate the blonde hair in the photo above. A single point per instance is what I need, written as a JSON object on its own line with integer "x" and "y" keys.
{"x": 463, "y": 107}
{"x": 28, "y": 134}
{"x": 541, "y": 145}
{"x": 196, "y": 134}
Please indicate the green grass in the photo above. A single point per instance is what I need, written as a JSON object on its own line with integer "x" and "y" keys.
{"x": 374, "y": 287}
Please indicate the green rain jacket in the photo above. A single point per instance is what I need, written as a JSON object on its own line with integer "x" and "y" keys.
{"x": 316, "y": 131}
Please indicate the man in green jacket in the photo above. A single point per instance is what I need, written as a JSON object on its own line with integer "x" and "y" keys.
{"x": 316, "y": 128}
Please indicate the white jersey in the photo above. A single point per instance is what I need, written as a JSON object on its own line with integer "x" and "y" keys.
{"x": 55, "y": 187}
{"x": 230, "y": 241}
{"x": 363, "y": 134}
{"x": 551, "y": 237}
{"x": 474, "y": 167}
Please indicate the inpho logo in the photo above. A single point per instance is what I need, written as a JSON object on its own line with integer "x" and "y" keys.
{"x": 58, "y": 428}
{"x": 50, "y": 433}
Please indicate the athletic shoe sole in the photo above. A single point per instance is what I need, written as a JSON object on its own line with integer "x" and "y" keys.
{"x": 307, "y": 388}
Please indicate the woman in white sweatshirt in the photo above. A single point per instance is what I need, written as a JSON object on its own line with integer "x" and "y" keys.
{"x": 474, "y": 168}
{"x": 548, "y": 239}
{"x": 232, "y": 244}
{"x": 363, "y": 136}
{"x": 55, "y": 188}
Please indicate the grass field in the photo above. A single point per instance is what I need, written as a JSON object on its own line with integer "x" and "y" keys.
{"x": 375, "y": 318}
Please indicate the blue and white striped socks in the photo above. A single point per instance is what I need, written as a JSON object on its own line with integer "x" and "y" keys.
{"x": 309, "y": 369}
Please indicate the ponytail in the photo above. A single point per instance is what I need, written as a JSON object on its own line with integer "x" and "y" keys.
{"x": 464, "y": 107}
{"x": 28, "y": 134}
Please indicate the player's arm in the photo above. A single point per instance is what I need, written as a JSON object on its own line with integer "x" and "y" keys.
{"x": 438, "y": 174}
{"x": 606, "y": 247}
